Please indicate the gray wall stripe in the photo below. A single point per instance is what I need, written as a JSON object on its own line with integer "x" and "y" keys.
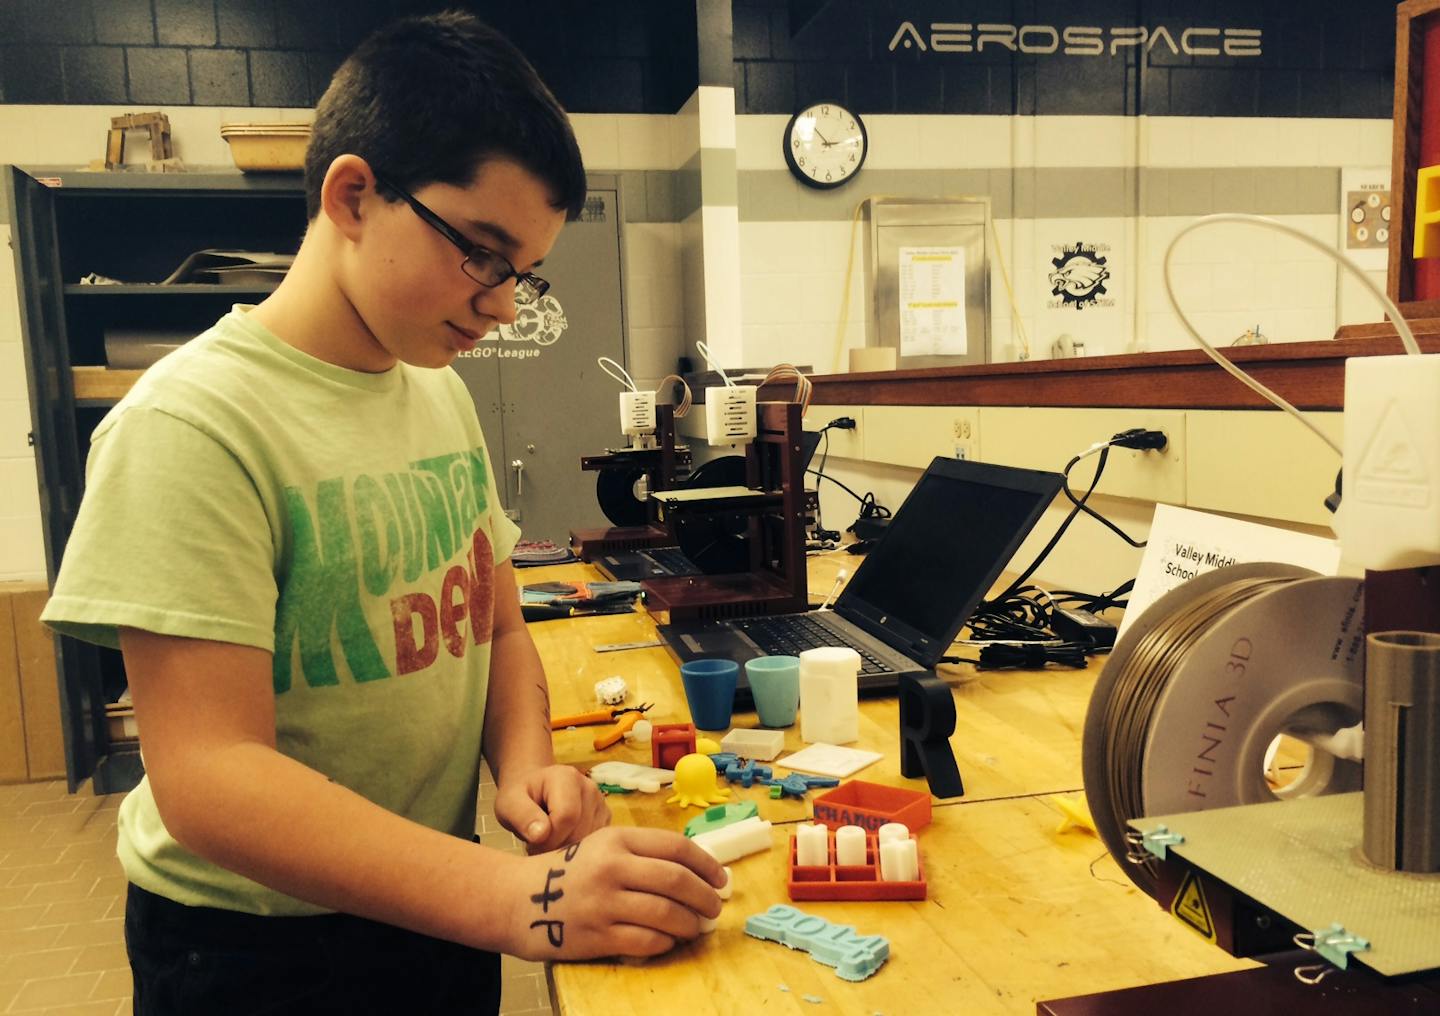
{"x": 773, "y": 195}
{"x": 718, "y": 184}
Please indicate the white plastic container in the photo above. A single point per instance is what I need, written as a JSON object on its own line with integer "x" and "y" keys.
{"x": 761, "y": 745}
{"x": 829, "y": 695}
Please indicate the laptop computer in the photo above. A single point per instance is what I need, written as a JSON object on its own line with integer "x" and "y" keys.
{"x": 940, "y": 555}
{"x": 657, "y": 562}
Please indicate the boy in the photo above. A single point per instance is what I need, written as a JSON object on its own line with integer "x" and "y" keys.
{"x": 291, "y": 531}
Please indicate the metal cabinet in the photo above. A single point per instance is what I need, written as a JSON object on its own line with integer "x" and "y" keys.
{"x": 543, "y": 401}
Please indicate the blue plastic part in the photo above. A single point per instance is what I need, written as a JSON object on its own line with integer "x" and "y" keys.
{"x": 1161, "y": 839}
{"x": 797, "y": 784}
{"x": 723, "y": 760}
{"x": 748, "y": 773}
{"x": 854, "y": 957}
{"x": 1336, "y": 944}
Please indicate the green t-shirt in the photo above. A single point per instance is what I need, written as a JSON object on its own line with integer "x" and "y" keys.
{"x": 246, "y": 492}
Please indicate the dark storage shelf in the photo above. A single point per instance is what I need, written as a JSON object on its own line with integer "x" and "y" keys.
{"x": 177, "y": 289}
{"x": 128, "y": 226}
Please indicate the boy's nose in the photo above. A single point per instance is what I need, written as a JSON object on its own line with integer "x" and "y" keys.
{"x": 497, "y": 303}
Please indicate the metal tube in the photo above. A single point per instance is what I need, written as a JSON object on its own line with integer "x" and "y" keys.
{"x": 1402, "y": 750}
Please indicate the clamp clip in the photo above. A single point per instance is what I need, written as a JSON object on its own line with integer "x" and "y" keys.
{"x": 1333, "y": 943}
{"x": 1159, "y": 840}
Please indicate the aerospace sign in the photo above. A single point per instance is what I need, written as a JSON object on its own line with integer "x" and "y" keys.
{"x": 1075, "y": 40}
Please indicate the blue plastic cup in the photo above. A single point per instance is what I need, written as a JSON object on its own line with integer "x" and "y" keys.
{"x": 710, "y": 691}
{"x": 775, "y": 686}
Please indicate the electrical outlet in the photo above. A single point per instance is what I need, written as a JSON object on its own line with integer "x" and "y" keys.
{"x": 962, "y": 451}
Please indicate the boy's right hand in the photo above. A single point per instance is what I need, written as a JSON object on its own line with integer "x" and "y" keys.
{"x": 621, "y": 891}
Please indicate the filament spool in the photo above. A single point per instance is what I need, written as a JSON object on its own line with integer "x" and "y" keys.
{"x": 623, "y": 495}
{"x": 1202, "y": 683}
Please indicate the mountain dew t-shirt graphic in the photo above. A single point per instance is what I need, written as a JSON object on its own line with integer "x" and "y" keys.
{"x": 348, "y": 523}
{"x": 376, "y": 537}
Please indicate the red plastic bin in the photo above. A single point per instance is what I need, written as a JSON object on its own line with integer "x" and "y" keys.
{"x": 871, "y": 805}
{"x": 850, "y": 882}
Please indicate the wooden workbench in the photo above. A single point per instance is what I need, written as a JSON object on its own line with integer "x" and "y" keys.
{"x": 1017, "y": 911}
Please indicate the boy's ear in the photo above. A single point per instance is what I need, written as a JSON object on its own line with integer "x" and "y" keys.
{"x": 348, "y": 182}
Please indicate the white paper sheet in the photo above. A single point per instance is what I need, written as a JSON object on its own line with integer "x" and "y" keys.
{"x": 932, "y": 301}
{"x": 1185, "y": 543}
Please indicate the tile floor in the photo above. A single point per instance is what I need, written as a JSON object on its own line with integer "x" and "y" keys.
{"x": 62, "y": 901}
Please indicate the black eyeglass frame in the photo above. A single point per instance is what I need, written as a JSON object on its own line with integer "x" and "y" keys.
{"x": 529, "y": 287}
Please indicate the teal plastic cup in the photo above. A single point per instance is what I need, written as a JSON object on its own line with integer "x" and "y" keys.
{"x": 710, "y": 691}
{"x": 775, "y": 686}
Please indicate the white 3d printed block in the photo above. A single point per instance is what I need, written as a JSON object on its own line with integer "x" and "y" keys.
{"x": 735, "y": 841}
{"x": 632, "y": 777}
{"x": 757, "y": 744}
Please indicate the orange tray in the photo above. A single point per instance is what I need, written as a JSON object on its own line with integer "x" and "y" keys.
{"x": 850, "y": 882}
{"x": 871, "y": 805}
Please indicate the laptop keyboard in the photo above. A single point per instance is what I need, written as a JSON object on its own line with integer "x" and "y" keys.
{"x": 792, "y": 634}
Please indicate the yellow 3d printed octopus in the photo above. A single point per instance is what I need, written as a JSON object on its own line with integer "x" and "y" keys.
{"x": 695, "y": 783}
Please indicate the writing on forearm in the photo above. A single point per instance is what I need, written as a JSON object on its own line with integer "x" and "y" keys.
{"x": 554, "y": 929}
{"x": 545, "y": 700}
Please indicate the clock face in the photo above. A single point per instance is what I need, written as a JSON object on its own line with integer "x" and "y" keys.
{"x": 825, "y": 145}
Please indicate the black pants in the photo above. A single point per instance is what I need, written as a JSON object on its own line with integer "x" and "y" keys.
{"x": 217, "y": 963}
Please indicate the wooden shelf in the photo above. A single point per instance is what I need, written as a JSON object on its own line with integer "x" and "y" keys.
{"x": 101, "y": 383}
{"x": 1309, "y": 374}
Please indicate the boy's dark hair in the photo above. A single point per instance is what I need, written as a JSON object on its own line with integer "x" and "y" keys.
{"x": 429, "y": 99}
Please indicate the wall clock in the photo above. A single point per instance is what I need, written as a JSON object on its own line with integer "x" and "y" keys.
{"x": 825, "y": 145}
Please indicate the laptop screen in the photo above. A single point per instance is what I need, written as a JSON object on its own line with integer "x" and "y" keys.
{"x": 945, "y": 547}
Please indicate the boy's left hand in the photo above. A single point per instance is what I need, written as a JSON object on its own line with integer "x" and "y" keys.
{"x": 551, "y": 807}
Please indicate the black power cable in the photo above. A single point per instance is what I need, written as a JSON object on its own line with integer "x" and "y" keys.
{"x": 1026, "y": 614}
{"x": 1139, "y": 438}
{"x": 869, "y": 507}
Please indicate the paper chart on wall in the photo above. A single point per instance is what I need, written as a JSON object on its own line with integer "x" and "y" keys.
{"x": 932, "y": 301}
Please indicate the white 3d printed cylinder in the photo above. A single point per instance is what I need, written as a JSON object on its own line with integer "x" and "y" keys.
{"x": 810, "y": 845}
{"x": 899, "y": 861}
{"x": 829, "y": 695}
{"x": 894, "y": 831}
{"x": 850, "y": 845}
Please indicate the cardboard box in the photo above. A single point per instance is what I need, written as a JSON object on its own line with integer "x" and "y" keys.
{"x": 30, "y": 663}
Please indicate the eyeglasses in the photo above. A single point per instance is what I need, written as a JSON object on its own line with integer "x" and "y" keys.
{"x": 481, "y": 264}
